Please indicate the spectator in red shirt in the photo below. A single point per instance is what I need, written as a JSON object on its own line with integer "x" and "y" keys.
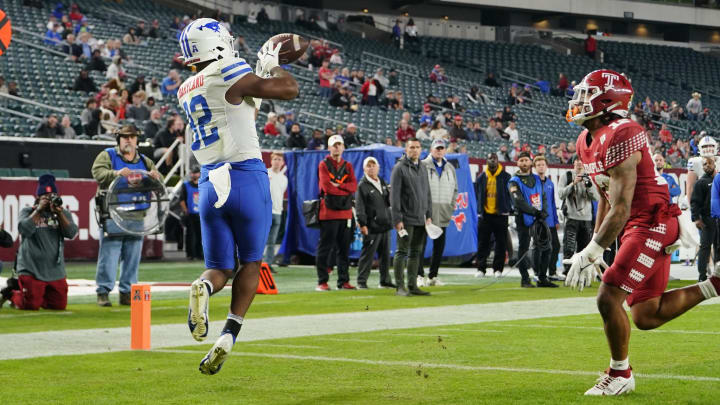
{"x": 590, "y": 46}
{"x": 404, "y": 132}
{"x": 337, "y": 184}
{"x": 665, "y": 134}
{"x": 270, "y": 128}
{"x": 325, "y": 74}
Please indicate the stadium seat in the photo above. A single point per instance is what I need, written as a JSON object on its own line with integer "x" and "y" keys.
{"x": 20, "y": 172}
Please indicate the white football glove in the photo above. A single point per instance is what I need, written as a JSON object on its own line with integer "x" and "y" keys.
{"x": 268, "y": 59}
{"x": 584, "y": 265}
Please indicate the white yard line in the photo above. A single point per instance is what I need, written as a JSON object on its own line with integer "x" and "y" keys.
{"x": 103, "y": 340}
{"x": 422, "y": 365}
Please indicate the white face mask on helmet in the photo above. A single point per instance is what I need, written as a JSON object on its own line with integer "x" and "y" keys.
{"x": 708, "y": 147}
{"x": 205, "y": 39}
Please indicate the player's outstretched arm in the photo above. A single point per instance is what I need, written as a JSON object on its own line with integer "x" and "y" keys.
{"x": 281, "y": 86}
{"x": 623, "y": 178}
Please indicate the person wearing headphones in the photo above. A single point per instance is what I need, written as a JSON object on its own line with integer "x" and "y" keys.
{"x": 530, "y": 201}
{"x": 115, "y": 247}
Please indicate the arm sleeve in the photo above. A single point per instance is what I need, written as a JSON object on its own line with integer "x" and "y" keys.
{"x": 554, "y": 205}
{"x": 151, "y": 165}
{"x": 395, "y": 190}
{"x": 360, "y": 208}
{"x": 520, "y": 202}
{"x": 428, "y": 212}
{"x": 714, "y": 197}
{"x": 102, "y": 170}
{"x": 627, "y": 140}
{"x": 71, "y": 230}
{"x": 183, "y": 193}
{"x": 696, "y": 200}
{"x": 26, "y": 226}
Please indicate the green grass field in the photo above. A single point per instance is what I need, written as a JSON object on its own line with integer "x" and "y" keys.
{"x": 548, "y": 360}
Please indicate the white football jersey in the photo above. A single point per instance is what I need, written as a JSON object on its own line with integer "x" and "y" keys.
{"x": 695, "y": 165}
{"x": 220, "y": 131}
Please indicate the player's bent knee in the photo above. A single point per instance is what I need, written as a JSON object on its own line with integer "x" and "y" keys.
{"x": 609, "y": 299}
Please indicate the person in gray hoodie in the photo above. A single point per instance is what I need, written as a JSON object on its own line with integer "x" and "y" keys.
{"x": 411, "y": 211}
{"x": 443, "y": 191}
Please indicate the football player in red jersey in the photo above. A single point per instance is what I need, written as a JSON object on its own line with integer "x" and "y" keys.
{"x": 614, "y": 151}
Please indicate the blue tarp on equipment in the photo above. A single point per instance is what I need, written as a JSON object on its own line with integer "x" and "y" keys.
{"x": 302, "y": 167}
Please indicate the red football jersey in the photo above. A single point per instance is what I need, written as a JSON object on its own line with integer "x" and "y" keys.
{"x": 610, "y": 146}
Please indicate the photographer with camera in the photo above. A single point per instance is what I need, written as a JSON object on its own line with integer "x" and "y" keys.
{"x": 115, "y": 245}
{"x": 40, "y": 264}
{"x": 577, "y": 193}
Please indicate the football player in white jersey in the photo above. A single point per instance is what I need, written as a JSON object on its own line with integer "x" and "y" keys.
{"x": 708, "y": 148}
{"x": 220, "y": 103}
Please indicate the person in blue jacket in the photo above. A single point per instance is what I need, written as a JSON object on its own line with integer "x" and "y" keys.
{"x": 529, "y": 201}
{"x": 541, "y": 168}
{"x": 673, "y": 186}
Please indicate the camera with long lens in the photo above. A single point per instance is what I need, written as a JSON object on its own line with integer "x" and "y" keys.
{"x": 587, "y": 181}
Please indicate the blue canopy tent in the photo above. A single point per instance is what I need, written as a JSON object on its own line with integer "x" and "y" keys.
{"x": 303, "y": 185}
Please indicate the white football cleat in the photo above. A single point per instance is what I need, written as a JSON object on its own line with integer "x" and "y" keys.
{"x": 607, "y": 385}
{"x": 213, "y": 361}
{"x": 498, "y": 274}
{"x": 435, "y": 282}
{"x": 479, "y": 274}
{"x": 421, "y": 281}
{"x": 198, "y": 311}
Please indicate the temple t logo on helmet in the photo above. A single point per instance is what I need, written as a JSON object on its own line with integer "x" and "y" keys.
{"x": 600, "y": 92}
{"x": 205, "y": 40}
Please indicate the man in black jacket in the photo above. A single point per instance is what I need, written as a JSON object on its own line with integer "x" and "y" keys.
{"x": 494, "y": 206}
{"x": 372, "y": 206}
{"x": 700, "y": 214}
{"x": 411, "y": 212}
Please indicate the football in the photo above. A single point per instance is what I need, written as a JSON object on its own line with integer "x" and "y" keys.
{"x": 293, "y": 47}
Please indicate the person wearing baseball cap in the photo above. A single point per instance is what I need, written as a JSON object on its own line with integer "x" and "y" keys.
{"x": 372, "y": 205}
{"x": 115, "y": 245}
{"x": 443, "y": 192}
{"x": 530, "y": 200}
{"x": 337, "y": 184}
{"x": 40, "y": 266}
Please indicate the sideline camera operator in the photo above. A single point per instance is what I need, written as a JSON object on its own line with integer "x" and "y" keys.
{"x": 40, "y": 265}
{"x": 577, "y": 192}
{"x": 115, "y": 245}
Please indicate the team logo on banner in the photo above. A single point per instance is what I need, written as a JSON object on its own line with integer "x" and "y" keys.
{"x": 461, "y": 203}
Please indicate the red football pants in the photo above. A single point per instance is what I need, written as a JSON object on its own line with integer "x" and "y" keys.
{"x": 36, "y": 294}
{"x": 642, "y": 267}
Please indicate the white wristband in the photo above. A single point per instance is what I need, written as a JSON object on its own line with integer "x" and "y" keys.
{"x": 594, "y": 250}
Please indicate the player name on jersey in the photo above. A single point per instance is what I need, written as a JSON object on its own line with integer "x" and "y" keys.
{"x": 191, "y": 85}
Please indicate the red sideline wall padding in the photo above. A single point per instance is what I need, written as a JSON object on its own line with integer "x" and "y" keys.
{"x": 79, "y": 198}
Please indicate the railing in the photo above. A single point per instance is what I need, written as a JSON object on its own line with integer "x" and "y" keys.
{"x": 35, "y": 103}
{"x": 180, "y": 165}
{"x": 520, "y": 78}
{"x": 401, "y": 71}
{"x": 19, "y": 114}
{"x": 344, "y": 123}
{"x": 366, "y": 55}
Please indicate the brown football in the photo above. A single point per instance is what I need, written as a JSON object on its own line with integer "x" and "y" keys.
{"x": 293, "y": 47}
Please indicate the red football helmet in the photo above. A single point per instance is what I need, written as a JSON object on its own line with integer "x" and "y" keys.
{"x": 600, "y": 92}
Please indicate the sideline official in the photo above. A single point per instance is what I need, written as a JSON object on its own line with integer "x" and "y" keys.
{"x": 115, "y": 247}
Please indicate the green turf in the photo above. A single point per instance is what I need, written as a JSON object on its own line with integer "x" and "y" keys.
{"x": 575, "y": 344}
{"x": 296, "y": 297}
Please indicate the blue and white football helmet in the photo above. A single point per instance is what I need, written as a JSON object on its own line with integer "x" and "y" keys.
{"x": 205, "y": 39}
{"x": 708, "y": 146}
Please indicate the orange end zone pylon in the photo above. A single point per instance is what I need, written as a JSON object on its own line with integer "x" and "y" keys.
{"x": 267, "y": 282}
{"x": 140, "y": 300}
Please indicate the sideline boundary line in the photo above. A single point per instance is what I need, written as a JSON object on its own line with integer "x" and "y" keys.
{"x": 420, "y": 365}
